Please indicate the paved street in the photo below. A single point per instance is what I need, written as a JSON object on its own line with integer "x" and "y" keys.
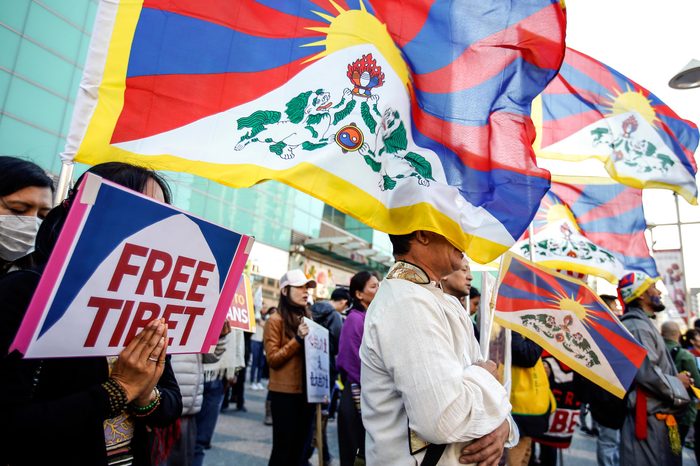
{"x": 241, "y": 439}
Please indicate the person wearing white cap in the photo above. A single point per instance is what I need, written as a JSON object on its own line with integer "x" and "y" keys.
{"x": 649, "y": 434}
{"x": 283, "y": 339}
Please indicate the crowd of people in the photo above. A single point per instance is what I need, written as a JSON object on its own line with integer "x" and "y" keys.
{"x": 409, "y": 382}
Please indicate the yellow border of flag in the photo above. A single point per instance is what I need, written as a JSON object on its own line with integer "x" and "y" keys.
{"x": 545, "y": 342}
{"x": 95, "y": 148}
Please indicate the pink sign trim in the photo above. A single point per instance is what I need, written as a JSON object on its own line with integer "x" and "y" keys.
{"x": 50, "y": 277}
{"x": 227, "y": 293}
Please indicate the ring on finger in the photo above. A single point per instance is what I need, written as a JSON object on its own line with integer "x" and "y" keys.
{"x": 152, "y": 359}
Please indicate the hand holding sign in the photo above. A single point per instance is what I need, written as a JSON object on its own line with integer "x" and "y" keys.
{"x": 140, "y": 365}
{"x": 302, "y": 330}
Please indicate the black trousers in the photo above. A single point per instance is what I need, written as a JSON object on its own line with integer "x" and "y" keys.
{"x": 351, "y": 431}
{"x": 291, "y": 426}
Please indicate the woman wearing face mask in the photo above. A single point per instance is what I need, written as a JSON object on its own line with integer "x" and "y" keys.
{"x": 351, "y": 432}
{"x": 90, "y": 410}
{"x": 283, "y": 339}
{"x": 25, "y": 199}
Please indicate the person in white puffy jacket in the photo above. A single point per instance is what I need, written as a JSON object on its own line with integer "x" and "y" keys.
{"x": 189, "y": 372}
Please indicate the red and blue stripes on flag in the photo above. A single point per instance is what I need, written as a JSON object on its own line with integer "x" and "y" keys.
{"x": 569, "y": 311}
{"x": 612, "y": 216}
{"x": 474, "y": 68}
{"x": 587, "y": 91}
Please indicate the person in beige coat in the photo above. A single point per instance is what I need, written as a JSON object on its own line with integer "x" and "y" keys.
{"x": 283, "y": 339}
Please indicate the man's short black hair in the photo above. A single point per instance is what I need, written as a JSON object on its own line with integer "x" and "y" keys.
{"x": 608, "y": 299}
{"x": 340, "y": 294}
{"x": 474, "y": 292}
{"x": 401, "y": 243}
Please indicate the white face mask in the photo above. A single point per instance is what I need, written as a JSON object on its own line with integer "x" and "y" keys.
{"x": 17, "y": 235}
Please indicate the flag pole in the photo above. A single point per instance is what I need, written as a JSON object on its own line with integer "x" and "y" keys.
{"x": 65, "y": 178}
{"x": 680, "y": 242}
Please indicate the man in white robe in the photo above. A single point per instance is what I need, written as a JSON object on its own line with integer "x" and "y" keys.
{"x": 423, "y": 378}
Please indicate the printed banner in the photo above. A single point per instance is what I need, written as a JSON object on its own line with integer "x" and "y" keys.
{"x": 241, "y": 314}
{"x": 563, "y": 421}
{"x": 317, "y": 354}
{"x": 122, "y": 260}
{"x": 670, "y": 266}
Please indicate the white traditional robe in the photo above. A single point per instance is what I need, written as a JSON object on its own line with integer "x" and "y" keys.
{"x": 417, "y": 358}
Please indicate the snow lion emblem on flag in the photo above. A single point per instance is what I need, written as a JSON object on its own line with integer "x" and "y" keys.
{"x": 310, "y": 121}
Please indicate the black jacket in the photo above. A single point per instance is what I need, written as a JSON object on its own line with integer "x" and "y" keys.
{"x": 51, "y": 410}
{"x": 325, "y": 315}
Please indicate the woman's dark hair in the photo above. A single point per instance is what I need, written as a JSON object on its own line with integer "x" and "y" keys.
{"x": 291, "y": 313}
{"x": 16, "y": 174}
{"x": 358, "y": 283}
{"x": 124, "y": 174}
{"x": 689, "y": 335}
{"x": 401, "y": 243}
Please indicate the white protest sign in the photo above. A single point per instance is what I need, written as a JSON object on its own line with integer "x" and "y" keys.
{"x": 123, "y": 260}
{"x": 317, "y": 353}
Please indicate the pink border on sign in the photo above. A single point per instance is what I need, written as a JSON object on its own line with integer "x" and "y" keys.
{"x": 50, "y": 278}
{"x": 226, "y": 296}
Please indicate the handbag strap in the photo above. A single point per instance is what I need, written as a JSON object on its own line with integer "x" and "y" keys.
{"x": 433, "y": 454}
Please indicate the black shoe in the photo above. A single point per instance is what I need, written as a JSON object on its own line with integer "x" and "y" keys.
{"x": 242, "y": 409}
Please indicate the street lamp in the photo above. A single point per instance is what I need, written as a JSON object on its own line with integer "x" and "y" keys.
{"x": 688, "y": 77}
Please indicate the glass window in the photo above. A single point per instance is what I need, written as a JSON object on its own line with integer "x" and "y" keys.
{"x": 34, "y": 105}
{"x": 43, "y": 67}
{"x": 50, "y": 30}
{"x": 10, "y": 46}
{"x": 14, "y": 13}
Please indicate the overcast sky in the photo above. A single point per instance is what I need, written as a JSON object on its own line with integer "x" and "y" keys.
{"x": 649, "y": 42}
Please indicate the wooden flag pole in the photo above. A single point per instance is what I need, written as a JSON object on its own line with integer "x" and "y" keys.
{"x": 319, "y": 434}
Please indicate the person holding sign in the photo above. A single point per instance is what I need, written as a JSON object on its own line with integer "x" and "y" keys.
{"x": 91, "y": 410}
{"x": 284, "y": 345}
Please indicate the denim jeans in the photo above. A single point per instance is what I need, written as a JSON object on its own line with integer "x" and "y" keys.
{"x": 207, "y": 417}
{"x": 608, "y": 446}
{"x": 256, "y": 348}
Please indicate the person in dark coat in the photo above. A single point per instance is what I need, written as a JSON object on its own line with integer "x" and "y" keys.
{"x": 91, "y": 410}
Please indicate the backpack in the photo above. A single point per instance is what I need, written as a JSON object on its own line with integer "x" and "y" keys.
{"x": 606, "y": 409}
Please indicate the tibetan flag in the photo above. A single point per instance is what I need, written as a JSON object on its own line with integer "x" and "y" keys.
{"x": 590, "y": 110}
{"x": 559, "y": 243}
{"x": 406, "y": 115}
{"x": 611, "y": 215}
{"x": 567, "y": 319}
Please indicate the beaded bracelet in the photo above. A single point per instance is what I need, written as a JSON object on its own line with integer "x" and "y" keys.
{"x": 142, "y": 411}
{"x": 116, "y": 395}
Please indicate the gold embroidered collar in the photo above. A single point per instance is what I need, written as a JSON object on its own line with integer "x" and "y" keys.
{"x": 410, "y": 272}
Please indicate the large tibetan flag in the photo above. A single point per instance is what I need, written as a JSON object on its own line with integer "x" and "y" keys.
{"x": 558, "y": 243}
{"x": 570, "y": 321}
{"x": 591, "y": 110}
{"x": 611, "y": 215}
{"x": 404, "y": 114}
